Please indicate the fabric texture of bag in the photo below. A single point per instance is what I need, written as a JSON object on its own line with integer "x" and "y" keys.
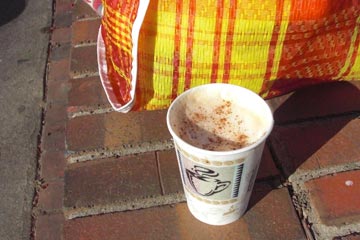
{"x": 152, "y": 51}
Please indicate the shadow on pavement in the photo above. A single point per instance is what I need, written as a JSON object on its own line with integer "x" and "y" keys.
{"x": 10, "y": 9}
{"x": 318, "y": 101}
{"x": 296, "y": 142}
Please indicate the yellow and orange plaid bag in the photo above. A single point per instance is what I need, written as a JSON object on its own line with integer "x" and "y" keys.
{"x": 152, "y": 51}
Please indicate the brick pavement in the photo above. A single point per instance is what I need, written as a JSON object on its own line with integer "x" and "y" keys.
{"x": 107, "y": 175}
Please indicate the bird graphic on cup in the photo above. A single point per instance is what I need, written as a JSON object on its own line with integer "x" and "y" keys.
{"x": 205, "y": 181}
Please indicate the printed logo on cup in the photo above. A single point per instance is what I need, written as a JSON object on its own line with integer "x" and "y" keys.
{"x": 210, "y": 182}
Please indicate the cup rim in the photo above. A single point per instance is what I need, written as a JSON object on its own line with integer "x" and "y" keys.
{"x": 220, "y": 153}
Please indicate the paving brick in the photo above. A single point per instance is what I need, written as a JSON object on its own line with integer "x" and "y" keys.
{"x": 260, "y": 190}
{"x": 169, "y": 172}
{"x": 336, "y": 198}
{"x": 63, "y": 19}
{"x": 61, "y": 35}
{"x": 267, "y": 167}
{"x": 51, "y": 197}
{"x": 83, "y": 61}
{"x": 55, "y": 114}
{"x": 113, "y": 130}
{"x": 52, "y": 165}
{"x": 56, "y": 92}
{"x": 317, "y": 144}
{"x": 83, "y": 11}
{"x": 87, "y": 133}
{"x": 317, "y": 101}
{"x": 176, "y": 222}
{"x": 85, "y": 31}
{"x": 49, "y": 227}
{"x": 60, "y": 51}
{"x": 86, "y": 92}
{"x": 63, "y": 6}
{"x": 112, "y": 180}
{"x": 53, "y": 134}
{"x": 53, "y": 137}
{"x": 59, "y": 70}
{"x": 273, "y": 216}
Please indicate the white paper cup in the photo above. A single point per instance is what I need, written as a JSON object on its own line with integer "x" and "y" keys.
{"x": 217, "y": 172}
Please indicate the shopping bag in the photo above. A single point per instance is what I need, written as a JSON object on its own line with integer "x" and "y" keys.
{"x": 149, "y": 52}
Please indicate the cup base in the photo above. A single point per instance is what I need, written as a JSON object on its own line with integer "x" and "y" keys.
{"x": 215, "y": 214}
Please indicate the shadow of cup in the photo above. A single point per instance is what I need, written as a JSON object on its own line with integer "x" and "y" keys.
{"x": 305, "y": 121}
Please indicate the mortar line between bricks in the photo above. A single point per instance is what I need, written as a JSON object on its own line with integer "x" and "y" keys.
{"x": 85, "y": 75}
{"x": 87, "y": 19}
{"x": 318, "y": 173}
{"x": 311, "y": 216}
{"x": 307, "y": 230}
{"x": 89, "y": 111}
{"x": 80, "y": 45}
{"x": 122, "y": 151}
{"x": 355, "y": 114}
{"x": 276, "y": 161}
{"x": 332, "y": 231}
{"x": 312, "y": 174}
{"x": 40, "y": 212}
{"x": 299, "y": 213}
{"x": 136, "y": 204}
{"x": 159, "y": 173}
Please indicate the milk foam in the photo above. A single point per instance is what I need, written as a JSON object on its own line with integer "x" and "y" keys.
{"x": 217, "y": 121}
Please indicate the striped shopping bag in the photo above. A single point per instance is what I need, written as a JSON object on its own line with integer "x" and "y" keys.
{"x": 152, "y": 51}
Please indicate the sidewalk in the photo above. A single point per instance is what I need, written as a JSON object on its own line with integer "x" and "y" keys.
{"x": 107, "y": 175}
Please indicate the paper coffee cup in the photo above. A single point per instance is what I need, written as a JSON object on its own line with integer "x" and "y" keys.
{"x": 219, "y": 132}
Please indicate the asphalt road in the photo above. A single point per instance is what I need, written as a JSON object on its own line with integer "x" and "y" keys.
{"x": 23, "y": 52}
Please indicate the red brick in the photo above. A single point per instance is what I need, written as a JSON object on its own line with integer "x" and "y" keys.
{"x": 317, "y": 101}
{"x": 169, "y": 172}
{"x": 317, "y": 144}
{"x": 87, "y": 133}
{"x": 60, "y": 51}
{"x": 55, "y": 113}
{"x": 83, "y": 11}
{"x": 49, "y": 227}
{"x": 52, "y": 165}
{"x": 61, "y": 35}
{"x": 113, "y": 130}
{"x": 176, "y": 222}
{"x": 83, "y": 61}
{"x": 85, "y": 31}
{"x": 51, "y": 197}
{"x": 267, "y": 167}
{"x": 53, "y": 137}
{"x": 272, "y": 215}
{"x": 336, "y": 198}
{"x": 57, "y": 92}
{"x": 87, "y": 92}
{"x": 62, "y": 19}
{"x": 111, "y": 181}
{"x": 64, "y": 6}
{"x": 260, "y": 190}
{"x": 59, "y": 70}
